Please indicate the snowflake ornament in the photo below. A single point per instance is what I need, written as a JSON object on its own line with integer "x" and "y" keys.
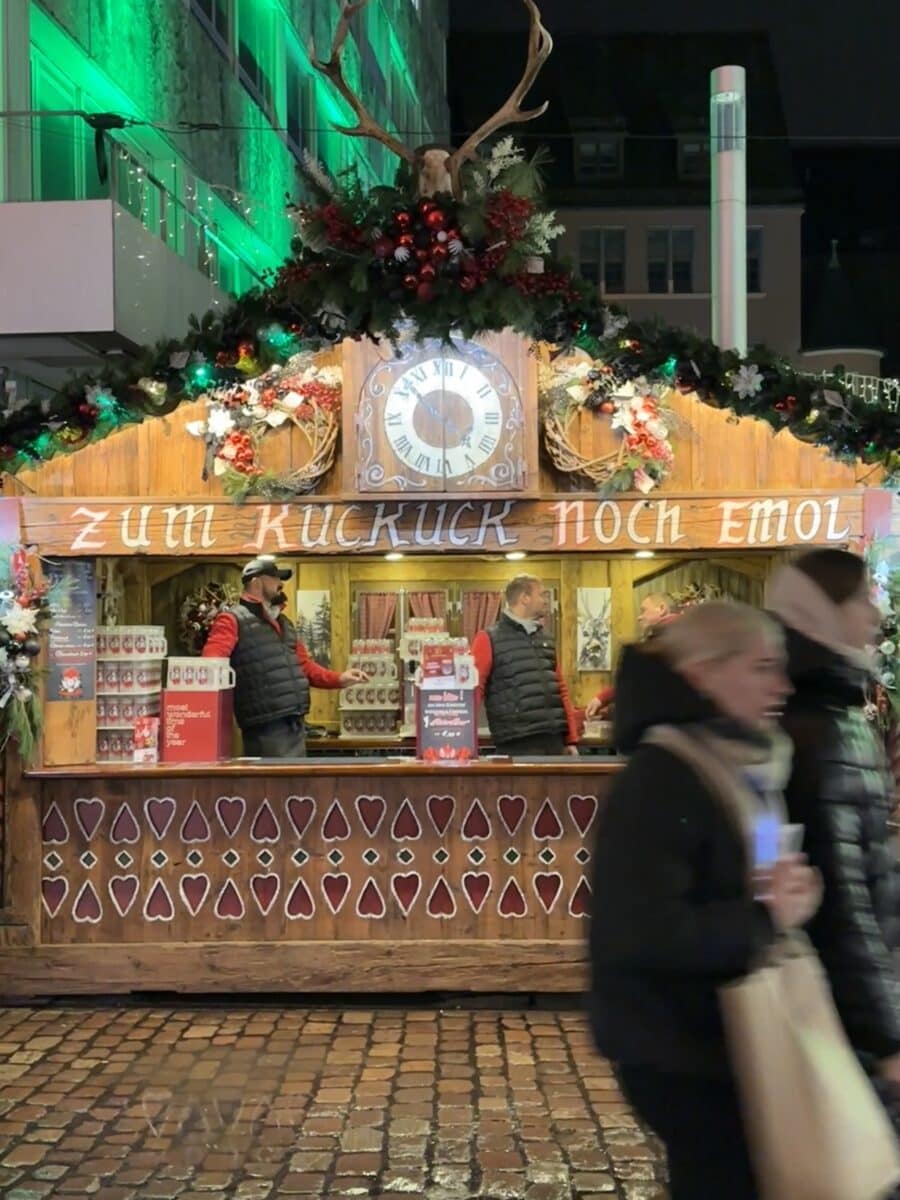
{"x": 747, "y": 381}
{"x": 402, "y": 254}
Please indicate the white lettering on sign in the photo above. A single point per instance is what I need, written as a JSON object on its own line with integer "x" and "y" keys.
{"x": 565, "y": 510}
{"x": 631, "y": 528}
{"x": 309, "y": 512}
{"x": 339, "y": 535}
{"x": 834, "y": 534}
{"x": 731, "y": 531}
{"x": 388, "y": 521}
{"x": 494, "y": 521}
{"x": 671, "y": 513}
{"x": 175, "y": 538}
{"x": 807, "y": 531}
{"x": 268, "y": 524}
{"x": 90, "y": 530}
{"x": 610, "y": 509}
{"x": 435, "y": 537}
{"x": 141, "y": 539}
{"x": 455, "y": 540}
{"x": 762, "y": 514}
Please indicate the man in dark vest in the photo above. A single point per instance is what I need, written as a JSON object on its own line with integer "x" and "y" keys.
{"x": 520, "y": 684}
{"x": 272, "y": 667}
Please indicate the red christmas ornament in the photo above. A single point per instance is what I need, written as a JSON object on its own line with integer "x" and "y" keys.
{"x": 403, "y": 220}
{"x": 435, "y": 219}
{"x": 453, "y": 235}
{"x": 427, "y": 271}
{"x": 422, "y": 255}
{"x": 425, "y": 292}
{"x": 383, "y": 247}
{"x": 411, "y": 281}
{"x": 468, "y": 283}
{"x": 426, "y": 206}
{"x": 439, "y": 254}
{"x": 405, "y": 239}
{"x": 607, "y": 407}
{"x": 246, "y": 350}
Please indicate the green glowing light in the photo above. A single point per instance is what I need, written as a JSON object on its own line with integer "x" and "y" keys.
{"x": 669, "y": 367}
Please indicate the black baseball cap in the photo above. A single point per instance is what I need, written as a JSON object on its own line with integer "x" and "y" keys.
{"x": 265, "y": 565}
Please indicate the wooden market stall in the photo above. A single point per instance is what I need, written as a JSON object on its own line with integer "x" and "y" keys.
{"x": 369, "y": 873}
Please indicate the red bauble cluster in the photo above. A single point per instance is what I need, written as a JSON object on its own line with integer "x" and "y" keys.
{"x": 548, "y": 283}
{"x": 242, "y": 455}
{"x": 508, "y": 215}
{"x": 338, "y": 230}
{"x": 417, "y": 246}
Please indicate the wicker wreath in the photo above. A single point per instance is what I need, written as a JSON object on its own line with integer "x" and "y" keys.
{"x": 570, "y": 461}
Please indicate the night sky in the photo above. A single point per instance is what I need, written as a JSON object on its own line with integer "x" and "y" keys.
{"x": 837, "y": 62}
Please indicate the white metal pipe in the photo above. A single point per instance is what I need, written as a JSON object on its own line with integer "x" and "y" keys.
{"x": 728, "y": 203}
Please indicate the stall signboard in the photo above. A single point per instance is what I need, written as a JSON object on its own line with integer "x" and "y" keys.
{"x": 72, "y": 640}
{"x": 553, "y": 525}
{"x": 446, "y": 724}
{"x": 196, "y": 726}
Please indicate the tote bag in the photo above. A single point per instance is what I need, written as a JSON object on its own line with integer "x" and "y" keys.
{"x": 815, "y": 1127}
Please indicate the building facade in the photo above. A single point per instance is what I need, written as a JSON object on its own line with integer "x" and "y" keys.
{"x": 115, "y": 227}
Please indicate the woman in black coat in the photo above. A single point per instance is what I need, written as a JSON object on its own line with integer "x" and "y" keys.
{"x": 841, "y": 791}
{"x": 674, "y": 913}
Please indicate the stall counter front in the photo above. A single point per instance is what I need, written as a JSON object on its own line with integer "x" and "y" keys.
{"x": 347, "y": 876}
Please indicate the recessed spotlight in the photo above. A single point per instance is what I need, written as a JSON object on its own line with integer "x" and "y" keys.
{"x": 516, "y": 555}
{"x": 393, "y": 556}
{"x": 645, "y": 554}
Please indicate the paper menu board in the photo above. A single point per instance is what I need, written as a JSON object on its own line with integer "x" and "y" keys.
{"x": 446, "y": 728}
{"x": 71, "y": 641}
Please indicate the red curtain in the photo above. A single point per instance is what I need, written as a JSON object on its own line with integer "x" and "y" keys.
{"x": 480, "y": 609}
{"x": 428, "y": 604}
{"x": 376, "y": 613}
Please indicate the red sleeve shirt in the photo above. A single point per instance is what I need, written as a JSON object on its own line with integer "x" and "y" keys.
{"x": 483, "y": 653}
{"x": 223, "y": 637}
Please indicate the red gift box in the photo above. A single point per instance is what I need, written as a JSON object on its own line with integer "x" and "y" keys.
{"x": 196, "y": 726}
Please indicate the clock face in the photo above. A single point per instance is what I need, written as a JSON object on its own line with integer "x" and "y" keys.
{"x": 443, "y": 417}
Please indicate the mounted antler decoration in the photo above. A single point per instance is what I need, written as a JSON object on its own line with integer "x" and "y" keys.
{"x": 438, "y": 167}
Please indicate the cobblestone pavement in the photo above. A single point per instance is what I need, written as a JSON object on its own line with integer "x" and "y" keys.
{"x": 250, "y": 1103}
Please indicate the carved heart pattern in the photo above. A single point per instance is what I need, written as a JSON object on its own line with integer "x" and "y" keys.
{"x": 580, "y": 904}
{"x": 441, "y": 902}
{"x": 371, "y": 902}
{"x": 299, "y": 903}
{"x": 87, "y": 906}
{"x": 160, "y": 812}
{"x": 406, "y": 825}
{"x": 55, "y": 831}
{"x": 123, "y": 890}
{"x": 158, "y": 905}
{"x": 194, "y": 890}
{"x": 230, "y": 811}
{"x": 300, "y": 811}
{"x": 512, "y": 902}
{"x": 583, "y": 809}
{"x": 476, "y": 824}
{"x": 512, "y": 810}
{"x": 441, "y": 809}
{"x": 265, "y": 889}
{"x": 406, "y": 888}
{"x": 334, "y": 889}
{"x": 265, "y": 826}
{"x": 89, "y": 814}
{"x": 371, "y": 811}
{"x": 547, "y": 824}
{"x": 229, "y": 905}
{"x": 53, "y": 892}
{"x": 124, "y": 826}
{"x": 547, "y": 886}
{"x": 477, "y": 887}
{"x": 335, "y": 827}
{"x": 195, "y": 827}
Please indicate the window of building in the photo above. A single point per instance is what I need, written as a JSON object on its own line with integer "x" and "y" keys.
{"x": 299, "y": 107}
{"x": 754, "y": 260}
{"x": 670, "y": 260}
{"x": 216, "y": 16}
{"x": 255, "y": 50}
{"x": 693, "y": 158}
{"x": 601, "y": 258}
{"x": 64, "y": 162}
{"x": 597, "y": 156}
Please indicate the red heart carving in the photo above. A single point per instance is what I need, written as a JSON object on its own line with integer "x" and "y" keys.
{"x": 300, "y": 811}
{"x": 477, "y": 886}
{"x": 406, "y": 889}
{"x": 441, "y": 902}
{"x": 53, "y": 892}
{"x": 195, "y": 827}
{"x": 230, "y": 811}
{"x": 123, "y": 890}
{"x": 370, "y": 902}
{"x": 547, "y": 824}
{"x": 159, "y": 811}
{"x": 124, "y": 826}
{"x": 89, "y": 814}
{"x": 476, "y": 824}
{"x": 265, "y": 889}
{"x": 406, "y": 824}
{"x": 87, "y": 906}
{"x": 299, "y": 902}
{"x": 371, "y": 811}
{"x": 265, "y": 827}
{"x": 335, "y": 888}
{"x": 583, "y": 809}
{"x": 335, "y": 827}
{"x": 194, "y": 890}
{"x": 580, "y": 904}
{"x": 158, "y": 905}
{"x": 229, "y": 905}
{"x": 55, "y": 830}
{"x": 512, "y": 809}
{"x": 512, "y": 902}
{"x": 440, "y": 809}
{"x": 547, "y": 886}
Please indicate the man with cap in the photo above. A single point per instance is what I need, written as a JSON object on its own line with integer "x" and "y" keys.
{"x": 272, "y": 667}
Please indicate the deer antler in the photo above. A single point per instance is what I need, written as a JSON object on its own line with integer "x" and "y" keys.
{"x": 540, "y": 44}
{"x": 366, "y": 125}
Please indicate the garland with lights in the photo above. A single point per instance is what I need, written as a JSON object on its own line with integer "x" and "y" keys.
{"x": 372, "y": 263}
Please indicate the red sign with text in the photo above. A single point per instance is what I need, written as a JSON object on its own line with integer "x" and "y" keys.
{"x": 196, "y": 726}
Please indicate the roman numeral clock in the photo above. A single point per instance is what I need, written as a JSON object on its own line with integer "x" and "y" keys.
{"x": 441, "y": 418}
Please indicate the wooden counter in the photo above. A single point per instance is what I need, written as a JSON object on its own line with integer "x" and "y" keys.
{"x": 316, "y": 876}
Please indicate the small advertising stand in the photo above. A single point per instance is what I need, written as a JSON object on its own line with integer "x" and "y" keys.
{"x": 446, "y": 707}
{"x": 197, "y": 711}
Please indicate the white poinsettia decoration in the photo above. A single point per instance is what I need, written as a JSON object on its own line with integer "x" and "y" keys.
{"x": 18, "y": 620}
{"x": 613, "y": 324}
{"x": 747, "y": 381}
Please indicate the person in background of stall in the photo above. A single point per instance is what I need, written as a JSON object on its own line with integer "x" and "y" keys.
{"x": 272, "y": 667}
{"x": 520, "y": 684}
{"x": 657, "y": 610}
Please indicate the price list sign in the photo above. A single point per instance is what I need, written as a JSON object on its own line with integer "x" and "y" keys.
{"x": 446, "y": 728}
{"x": 72, "y": 639}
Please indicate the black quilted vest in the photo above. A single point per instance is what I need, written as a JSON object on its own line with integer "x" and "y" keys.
{"x": 522, "y": 696}
{"x": 270, "y": 682}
